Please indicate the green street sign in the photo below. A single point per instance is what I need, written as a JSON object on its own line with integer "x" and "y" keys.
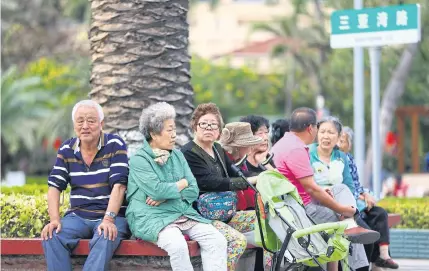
{"x": 378, "y": 26}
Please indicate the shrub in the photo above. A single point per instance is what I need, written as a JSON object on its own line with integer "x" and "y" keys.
{"x": 28, "y": 189}
{"x": 37, "y": 180}
{"x": 414, "y": 211}
{"x": 25, "y": 215}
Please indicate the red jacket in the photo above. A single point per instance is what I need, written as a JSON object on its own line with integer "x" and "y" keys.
{"x": 246, "y": 198}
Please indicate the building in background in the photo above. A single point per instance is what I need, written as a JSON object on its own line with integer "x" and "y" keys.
{"x": 226, "y": 31}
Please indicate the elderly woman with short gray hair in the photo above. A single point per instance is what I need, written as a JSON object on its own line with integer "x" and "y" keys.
{"x": 374, "y": 216}
{"x": 161, "y": 190}
{"x": 331, "y": 171}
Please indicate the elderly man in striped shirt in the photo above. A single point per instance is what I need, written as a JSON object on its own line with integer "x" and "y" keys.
{"x": 95, "y": 165}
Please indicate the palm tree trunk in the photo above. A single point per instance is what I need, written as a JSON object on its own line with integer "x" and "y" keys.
{"x": 139, "y": 56}
{"x": 394, "y": 91}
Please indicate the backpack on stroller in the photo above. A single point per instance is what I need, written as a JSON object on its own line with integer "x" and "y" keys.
{"x": 284, "y": 229}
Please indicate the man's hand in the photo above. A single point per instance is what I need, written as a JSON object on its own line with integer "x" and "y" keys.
{"x": 329, "y": 192}
{"x": 348, "y": 211}
{"x": 109, "y": 228}
{"x": 369, "y": 201}
{"x": 152, "y": 202}
{"x": 49, "y": 228}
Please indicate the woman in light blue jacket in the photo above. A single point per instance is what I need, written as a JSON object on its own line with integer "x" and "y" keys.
{"x": 330, "y": 165}
{"x": 331, "y": 171}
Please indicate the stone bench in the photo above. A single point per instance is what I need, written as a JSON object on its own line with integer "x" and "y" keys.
{"x": 27, "y": 254}
{"x": 394, "y": 220}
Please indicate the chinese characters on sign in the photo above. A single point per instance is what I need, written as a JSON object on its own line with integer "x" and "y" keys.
{"x": 382, "y": 19}
{"x": 401, "y": 18}
{"x": 363, "y": 21}
{"x": 344, "y": 22}
{"x": 375, "y": 26}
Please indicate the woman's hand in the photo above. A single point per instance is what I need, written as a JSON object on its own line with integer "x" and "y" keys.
{"x": 152, "y": 202}
{"x": 270, "y": 167}
{"x": 182, "y": 184}
{"x": 258, "y": 157}
{"x": 253, "y": 180}
{"x": 369, "y": 200}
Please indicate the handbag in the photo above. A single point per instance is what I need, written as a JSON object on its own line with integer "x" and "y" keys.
{"x": 218, "y": 205}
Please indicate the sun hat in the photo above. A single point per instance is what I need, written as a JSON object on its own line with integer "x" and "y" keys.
{"x": 239, "y": 134}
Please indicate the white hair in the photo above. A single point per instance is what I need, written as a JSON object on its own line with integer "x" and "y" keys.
{"x": 90, "y": 103}
{"x": 349, "y": 132}
{"x": 153, "y": 117}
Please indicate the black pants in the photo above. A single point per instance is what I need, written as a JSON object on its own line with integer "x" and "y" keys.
{"x": 259, "y": 260}
{"x": 375, "y": 219}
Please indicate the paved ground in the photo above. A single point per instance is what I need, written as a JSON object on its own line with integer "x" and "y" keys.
{"x": 409, "y": 265}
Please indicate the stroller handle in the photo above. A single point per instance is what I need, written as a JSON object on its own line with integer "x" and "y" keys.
{"x": 268, "y": 160}
{"x": 337, "y": 226}
{"x": 240, "y": 162}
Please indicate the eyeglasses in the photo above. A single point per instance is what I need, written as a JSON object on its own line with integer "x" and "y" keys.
{"x": 205, "y": 125}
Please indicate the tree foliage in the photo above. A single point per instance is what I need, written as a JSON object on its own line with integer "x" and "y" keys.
{"x": 36, "y": 105}
{"x": 335, "y": 75}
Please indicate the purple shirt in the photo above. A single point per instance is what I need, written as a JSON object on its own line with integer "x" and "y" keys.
{"x": 292, "y": 159}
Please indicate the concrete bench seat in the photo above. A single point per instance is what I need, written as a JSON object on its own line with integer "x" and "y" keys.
{"x": 394, "y": 220}
{"x": 33, "y": 246}
{"x": 27, "y": 253}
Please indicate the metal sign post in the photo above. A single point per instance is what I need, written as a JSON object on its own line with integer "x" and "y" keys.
{"x": 358, "y": 102}
{"x": 373, "y": 27}
{"x": 374, "y": 57}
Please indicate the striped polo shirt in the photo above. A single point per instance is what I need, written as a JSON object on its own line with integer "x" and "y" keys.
{"x": 91, "y": 185}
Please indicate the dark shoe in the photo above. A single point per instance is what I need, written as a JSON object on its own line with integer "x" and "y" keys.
{"x": 389, "y": 263}
{"x": 360, "y": 235}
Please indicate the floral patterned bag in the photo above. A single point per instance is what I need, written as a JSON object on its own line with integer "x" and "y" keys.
{"x": 218, "y": 205}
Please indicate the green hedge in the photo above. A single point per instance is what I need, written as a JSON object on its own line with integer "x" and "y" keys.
{"x": 28, "y": 189}
{"x": 414, "y": 211}
{"x": 36, "y": 180}
{"x": 25, "y": 215}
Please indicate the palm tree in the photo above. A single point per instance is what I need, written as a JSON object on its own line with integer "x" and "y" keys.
{"x": 21, "y": 110}
{"x": 139, "y": 56}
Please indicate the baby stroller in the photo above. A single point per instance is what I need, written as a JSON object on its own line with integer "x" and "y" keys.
{"x": 284, "y": 229}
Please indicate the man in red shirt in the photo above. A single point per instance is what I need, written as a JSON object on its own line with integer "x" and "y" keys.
{"x": 293, "y": 161}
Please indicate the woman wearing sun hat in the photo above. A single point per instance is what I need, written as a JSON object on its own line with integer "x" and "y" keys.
{"x": 237, "y": 139}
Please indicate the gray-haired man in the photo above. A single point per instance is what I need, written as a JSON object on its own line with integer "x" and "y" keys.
{"x": 95, "y": 165}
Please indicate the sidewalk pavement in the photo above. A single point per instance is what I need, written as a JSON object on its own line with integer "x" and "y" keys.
{"x": 408, "y": 265}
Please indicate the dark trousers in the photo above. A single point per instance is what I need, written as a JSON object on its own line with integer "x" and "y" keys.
{"x": 375, "y": 219}
{"x": 259, "y": 260}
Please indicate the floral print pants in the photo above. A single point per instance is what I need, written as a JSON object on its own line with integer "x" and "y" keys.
{"x": 243, "y": 221}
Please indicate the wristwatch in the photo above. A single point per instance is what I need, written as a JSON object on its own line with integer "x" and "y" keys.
{"x": 110, "y": 214}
